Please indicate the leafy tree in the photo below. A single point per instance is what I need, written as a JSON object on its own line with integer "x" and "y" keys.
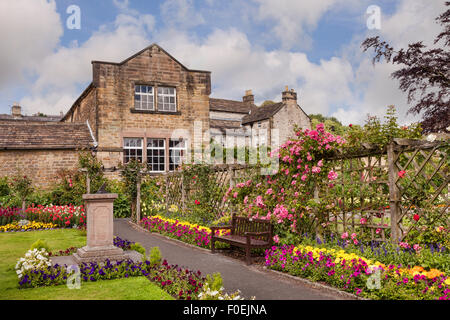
{"x": 331, "y": 123}
{"x": 267, "y": 103}
{"x": 424, "y": 74}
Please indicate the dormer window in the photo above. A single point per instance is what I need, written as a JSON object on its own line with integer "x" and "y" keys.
{"x": 144, "y": 98}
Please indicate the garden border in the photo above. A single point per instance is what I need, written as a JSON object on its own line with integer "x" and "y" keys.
{"x": 262, "y": 269}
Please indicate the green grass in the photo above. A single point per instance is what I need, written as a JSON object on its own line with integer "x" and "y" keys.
{"x": 15, "y": 245}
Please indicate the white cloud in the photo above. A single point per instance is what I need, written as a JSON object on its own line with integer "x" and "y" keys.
{"x": 29, "y": 31}
{"x": 181, "y": 14}
{"x": 374, "y": 89}
{"x": 62, "y": 73}
{"x": 294, "y": 20}
{"x": 237, "y": 65}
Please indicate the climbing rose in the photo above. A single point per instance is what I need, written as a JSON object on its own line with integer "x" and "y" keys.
{"x": 402, "y": 173}
{"x": 332, "y": 175}
{"x": 416, "y": 217}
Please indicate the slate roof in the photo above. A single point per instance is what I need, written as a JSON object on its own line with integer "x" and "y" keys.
{"x": 44, "y": 136}
{"x": 8, "y": 117}
{"x": 262, "y": 113}
{"x": 224, "y": 105}
{"x": 226, "y": 124}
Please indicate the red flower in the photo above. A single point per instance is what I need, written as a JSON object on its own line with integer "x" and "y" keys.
{"x": 416, "y": 217}
{"x": 402, "y": 173}
{"x": 197, "y": 202}
{"x": 350, "y": 125}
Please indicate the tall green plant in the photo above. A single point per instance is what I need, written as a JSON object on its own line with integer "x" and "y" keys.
{"x": 131, "y": 175}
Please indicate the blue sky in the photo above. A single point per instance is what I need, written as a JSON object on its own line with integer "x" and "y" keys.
{"x": 312, "y": 46}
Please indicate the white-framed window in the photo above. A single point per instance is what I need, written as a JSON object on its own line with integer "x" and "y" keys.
{"x": 177, "y": 153}
{"x": 132, "y": 149}
{"x": 156, "y": 155}
{"x": 167, "y": 99}
{"x": 144, "y": 97}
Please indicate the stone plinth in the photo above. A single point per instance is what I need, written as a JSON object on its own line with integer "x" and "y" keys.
{"x": 100, "y": 245}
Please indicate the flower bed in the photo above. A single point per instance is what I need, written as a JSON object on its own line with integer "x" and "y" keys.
{"x": 180, "y": 230}
{"x": 63, "y": 216}
{"x": 32, "y": 226}
{"x": 9, "y": 215}
{"x": 358, "y": 275}
{"x": 182, "y": 283}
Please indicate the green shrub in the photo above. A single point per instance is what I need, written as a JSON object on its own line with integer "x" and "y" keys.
{"x": 5, "y": 190}
{"x": 40, "y": 244}
{"x": 138, "y": 248}
{"x": 215, "y": 281}
{"x": 155, "y": 256}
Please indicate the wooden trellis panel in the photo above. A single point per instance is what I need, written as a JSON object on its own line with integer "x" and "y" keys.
{"x": 424, "y": 188}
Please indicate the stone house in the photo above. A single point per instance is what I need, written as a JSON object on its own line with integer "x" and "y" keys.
{"x": 148, "y": 107}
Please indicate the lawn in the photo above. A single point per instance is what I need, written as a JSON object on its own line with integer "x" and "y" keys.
{"x": 14, "y": 245}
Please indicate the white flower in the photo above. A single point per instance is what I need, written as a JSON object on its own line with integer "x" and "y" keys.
{"x": 431, "y": 138}
{"x": 448, "y": 128}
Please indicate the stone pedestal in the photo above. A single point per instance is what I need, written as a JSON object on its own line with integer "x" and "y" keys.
{"x": 100, "y": 217}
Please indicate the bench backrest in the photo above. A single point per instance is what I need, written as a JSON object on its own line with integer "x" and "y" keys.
{"x": 241, "y": 225}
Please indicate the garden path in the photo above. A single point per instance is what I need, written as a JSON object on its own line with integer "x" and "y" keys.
{"x": 250, "y": 280}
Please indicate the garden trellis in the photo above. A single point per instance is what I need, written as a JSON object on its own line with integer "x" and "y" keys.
{"x": 382, "y": 190}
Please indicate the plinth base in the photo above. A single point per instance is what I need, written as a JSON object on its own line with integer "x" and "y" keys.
{"x": 99, "y": 254}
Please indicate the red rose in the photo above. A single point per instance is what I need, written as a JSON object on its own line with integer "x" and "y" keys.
{"x": 416, "y": 217}
{"x": 402, "y": 173}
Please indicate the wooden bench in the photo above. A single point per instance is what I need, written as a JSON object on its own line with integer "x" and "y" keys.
{"x": 245, "y": 233}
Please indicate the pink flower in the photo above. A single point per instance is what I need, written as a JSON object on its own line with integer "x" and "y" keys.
{"x": 276, "y": 239}
{"x": 332, "y": 175}
{"x": 235, "y": 195}
{"x": 294, "y": 182}
{"x": 320, "y": 163}
{"x": 304, "y": 177}
{"x": 363, "y": 221}
{"x": 417, "y": 248}
{"x": 316, "y": 169}
{"x": 344, "y": 235}
{"x": 245, "y": 199}
{"x": 269, "y": 191}
{"x": 353, "y": 236}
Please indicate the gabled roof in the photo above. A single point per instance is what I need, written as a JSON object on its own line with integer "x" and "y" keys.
{"x": 142, "y": 51}
{"x": 230, "y": 106}
{"x": 262, "y": 113}
{"x": 44, "y": 136}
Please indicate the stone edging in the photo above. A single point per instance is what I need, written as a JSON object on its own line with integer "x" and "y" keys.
{"x": 261, "y": 269}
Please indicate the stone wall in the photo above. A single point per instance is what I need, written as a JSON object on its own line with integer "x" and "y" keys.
{"x": 287, "y": 118}
{"x": 40, "y": 166}
{"x": 117, "y": 119}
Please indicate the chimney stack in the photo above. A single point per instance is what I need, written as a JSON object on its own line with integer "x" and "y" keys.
{"x": 289, "y": 95}
{"x": 249, "y": 97}
{"x": 16, "y": 110}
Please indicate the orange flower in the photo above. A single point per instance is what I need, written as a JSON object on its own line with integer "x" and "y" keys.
{"x": 433, "y": 273}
